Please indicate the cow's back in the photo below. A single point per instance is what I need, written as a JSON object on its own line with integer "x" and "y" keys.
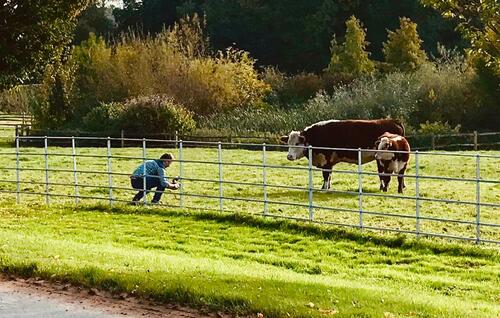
{"x": 350, "y": 133}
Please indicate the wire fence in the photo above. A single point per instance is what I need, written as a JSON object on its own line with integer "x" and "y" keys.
{"x": 449, "y": 195}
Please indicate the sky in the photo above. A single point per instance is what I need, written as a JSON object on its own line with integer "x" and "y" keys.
{"x": 116, "y": 3}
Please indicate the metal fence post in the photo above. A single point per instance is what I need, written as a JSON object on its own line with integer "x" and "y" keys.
{"x": 221, "y": 194}
{"x": 311, "y": 185}
{"x": 46, "y": 155}
{"x": 478, "y": 200}
{"x": 417, "y": 194}
{"x": 264, "y": 178}
{"x": 181, "y": 175}
{"x": 75, "y": 174}
{"x": 360, "y": 189}
{"x": 18, "y": 179}
{"x": 144, "y": 175}
{"x": 122, "y": 138}
{"x": 433, "y": 142}
{"x": 110, "y": 171}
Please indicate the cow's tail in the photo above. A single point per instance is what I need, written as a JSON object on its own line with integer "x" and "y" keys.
{"x": 400, "y": 124}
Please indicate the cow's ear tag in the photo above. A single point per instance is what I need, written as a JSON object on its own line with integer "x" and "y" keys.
{"x": 284, "y": 139}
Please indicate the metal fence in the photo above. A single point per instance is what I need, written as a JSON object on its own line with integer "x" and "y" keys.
{"x": 216, "y": 176}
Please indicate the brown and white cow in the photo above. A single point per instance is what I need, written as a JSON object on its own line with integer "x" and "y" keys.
{"x": 351, "y": 134}
{"x": 392, "y": 156}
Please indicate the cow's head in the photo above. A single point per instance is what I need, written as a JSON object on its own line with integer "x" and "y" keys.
{"x": 383, "y": 143}
{"x": 296, "y": 141}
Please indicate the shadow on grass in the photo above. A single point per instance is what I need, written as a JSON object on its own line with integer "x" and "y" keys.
{"x": 401, "y": 241}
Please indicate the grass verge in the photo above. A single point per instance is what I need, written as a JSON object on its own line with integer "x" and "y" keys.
{"x": 246, "y": 265}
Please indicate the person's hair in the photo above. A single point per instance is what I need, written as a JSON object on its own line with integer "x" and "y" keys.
{"x": 167, "y": 156}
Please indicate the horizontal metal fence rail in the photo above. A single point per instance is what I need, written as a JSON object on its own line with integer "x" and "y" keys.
{"x": 108, "y": 193}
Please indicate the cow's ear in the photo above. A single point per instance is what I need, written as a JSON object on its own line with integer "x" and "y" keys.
{"x": 302, "y": 139}
{"x": 284, "y": 139}
{"x": 377, "y": 143}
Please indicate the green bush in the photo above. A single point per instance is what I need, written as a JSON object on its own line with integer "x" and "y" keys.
{"x": 438, "y": 128}
{"x": 103, "y": 118}
{"x": 152, "y": 114}
{"x": 293, "y": 91}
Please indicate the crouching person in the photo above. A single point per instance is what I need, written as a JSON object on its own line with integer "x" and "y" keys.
{"x": 155, "y": 178}
{"x": 392, "y": 162}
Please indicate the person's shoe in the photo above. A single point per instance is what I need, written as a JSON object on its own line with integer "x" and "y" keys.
{"x": 156, "y": 202}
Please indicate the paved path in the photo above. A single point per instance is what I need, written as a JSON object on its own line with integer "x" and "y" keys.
{"x": 35, "y": 298}
{"x": 22, "y": 304}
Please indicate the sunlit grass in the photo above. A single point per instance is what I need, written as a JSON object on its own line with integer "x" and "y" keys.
{"x": 247, "y": 265}
{"x": 338, "y": 206}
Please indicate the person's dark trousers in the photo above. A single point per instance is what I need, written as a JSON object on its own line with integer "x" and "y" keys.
{"x": 151, "y": 182}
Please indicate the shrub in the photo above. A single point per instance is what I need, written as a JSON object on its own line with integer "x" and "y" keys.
{"x": 292, "y": 91}
{"x": 176, "y": 63}
{"x": 152, "y": 114}
{"x": 103, "y": 118}
{"x": 437, "y": 128}
{"x": 18, "y": 99}
{"x": 444, "y": 92}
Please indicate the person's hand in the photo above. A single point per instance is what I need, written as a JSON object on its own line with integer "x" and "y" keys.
{"x": 175, "y": 186}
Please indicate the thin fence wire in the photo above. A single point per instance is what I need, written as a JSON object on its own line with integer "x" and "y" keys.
{"x": 484, "y": 218}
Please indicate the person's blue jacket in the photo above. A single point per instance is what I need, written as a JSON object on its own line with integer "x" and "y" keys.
{"x": 154, "y": 169}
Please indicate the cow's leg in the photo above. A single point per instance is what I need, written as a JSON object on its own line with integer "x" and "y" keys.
{"x": 380, "y": 169}
{"x": 327, "y": 173}
{"x": 401, "y": 180}
{"x": 387, "y": 179}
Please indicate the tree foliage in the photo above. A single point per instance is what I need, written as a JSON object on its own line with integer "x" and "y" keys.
{"x": 479, "y": 22}
{"x": 292, "y": 35}
{"x": 351, "y": 57}
{"x": 32, "y": 34}
{"x": 402, "y": 49}
{"x": 96, "y": 19}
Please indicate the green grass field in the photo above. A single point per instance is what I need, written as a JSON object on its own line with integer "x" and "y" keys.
{"x": 244, "y": 263}
{"x": 325, "y": 203}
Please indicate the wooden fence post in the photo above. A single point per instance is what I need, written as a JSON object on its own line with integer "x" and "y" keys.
{"x": 475, "y": 140}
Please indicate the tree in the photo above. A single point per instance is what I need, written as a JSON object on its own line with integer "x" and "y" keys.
{"x": 402, "y": 49}
{"x": 96, "y": 19}
{"x": 380, "y": 15}
{"x": 32, "y": 34}
{"x": 351, "y": 57}
{"x": 479, "y": 22}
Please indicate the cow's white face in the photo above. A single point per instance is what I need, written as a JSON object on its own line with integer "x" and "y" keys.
{"x": 295, "y": 140}
{"x": 384, "y": 144}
